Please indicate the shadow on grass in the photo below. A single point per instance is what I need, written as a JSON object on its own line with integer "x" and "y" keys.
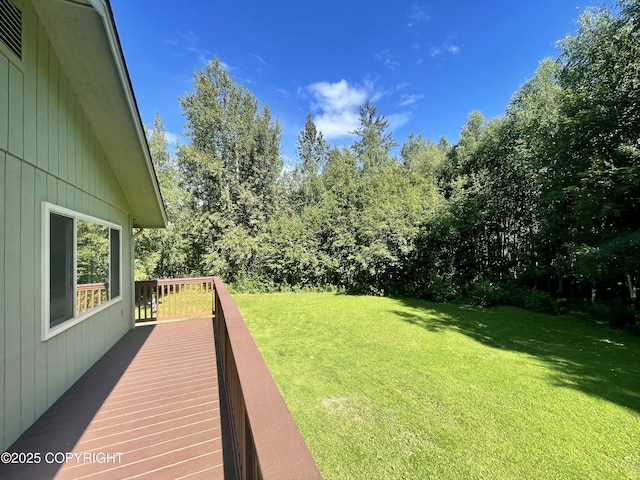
{"x": 588, "y": 357}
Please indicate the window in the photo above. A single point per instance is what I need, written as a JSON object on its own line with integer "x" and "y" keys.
{"x": 81, "y": 265}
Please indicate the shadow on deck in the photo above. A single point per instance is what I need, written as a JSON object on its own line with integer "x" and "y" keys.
{"x": 151, "y": 407}
{"x": 190, "y": 399}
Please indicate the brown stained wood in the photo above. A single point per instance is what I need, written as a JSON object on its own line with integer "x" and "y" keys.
{"x": 268, "y": 444}
{"x": 151, "y": 403}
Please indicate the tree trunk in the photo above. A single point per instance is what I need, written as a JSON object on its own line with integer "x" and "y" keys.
{"x": 560, "y": 285}
{"x": 632, "y": 290}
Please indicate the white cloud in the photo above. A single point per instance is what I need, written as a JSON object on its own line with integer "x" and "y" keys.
{"x": 407, "y": 100}
{"x": 258, "y": 62}
{"x": 171, "y": 138}
{"x": 259, "y": 59}
{"x": 337, "y": 97}
{"x": 375, "y": 93}
{"x": 386, "y": 59}
{"x": 397, "y": 120}
{"x": 336, "y": 104}
{"x": 444, "y": 49}
{"x": 338, "y": 124}
{"x": 190, "y": 43}
{"x": 417, "y": 14}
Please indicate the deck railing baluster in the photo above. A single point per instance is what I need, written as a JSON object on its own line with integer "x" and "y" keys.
{"x": 173, "y": 299}
{"x": 89, "y": 295}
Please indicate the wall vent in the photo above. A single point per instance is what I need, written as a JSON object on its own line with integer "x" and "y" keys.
{"x": 11, "y": 27}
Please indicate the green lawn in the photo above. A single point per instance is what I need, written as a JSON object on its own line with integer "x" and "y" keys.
{"x": 402, "y": 388}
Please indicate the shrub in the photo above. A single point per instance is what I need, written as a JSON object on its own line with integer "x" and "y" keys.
{"x": 539, "y": 301}
{"x": 485, "y": 293}
{"x": 442, "y": 289}
{"x": 622, "y": 317}
{"x": 246, "y": 284}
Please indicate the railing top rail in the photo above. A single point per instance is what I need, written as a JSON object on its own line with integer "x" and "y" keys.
{"x": 280, "y": 448}
{"x": 89, "y": 286}
{"x": 170, "y": 281}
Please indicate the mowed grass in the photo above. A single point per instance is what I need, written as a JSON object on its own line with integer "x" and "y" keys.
{"x": 406, "y": 389}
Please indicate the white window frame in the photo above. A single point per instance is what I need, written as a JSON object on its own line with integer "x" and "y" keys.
{"x": 47, "y": 209}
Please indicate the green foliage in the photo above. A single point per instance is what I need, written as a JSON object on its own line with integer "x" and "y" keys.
{"x": 233, "y": 160}
{"x": 617, "y": 313}
{"x": 442, "y": 288}
{"x": 622, "y": 316}
{"x": 229, "y": 172}
{"x": 595, "y": 178}
{"x": 92, "y": 252}
{"x": 537, "y": 301}
{"x": 373, "y": 145}
{"x": 312, "y": 152}
{"x": 486, "y": 293}
{"x": 424, "y": 157}
{"x": 535, "y": 204}
{"x": 165, "y": 253}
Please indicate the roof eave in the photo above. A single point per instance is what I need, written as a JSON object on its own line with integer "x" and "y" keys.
{"x": 87, "y": 45}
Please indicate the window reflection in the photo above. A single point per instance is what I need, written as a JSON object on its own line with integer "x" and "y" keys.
{"x": 60, "y": 269}
{"x": 92, "y": 265}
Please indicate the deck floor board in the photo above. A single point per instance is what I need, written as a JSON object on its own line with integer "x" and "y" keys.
{"x": 149, "y": 408}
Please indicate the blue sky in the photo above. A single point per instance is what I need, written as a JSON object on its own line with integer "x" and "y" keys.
{"x": 425, "y": 65}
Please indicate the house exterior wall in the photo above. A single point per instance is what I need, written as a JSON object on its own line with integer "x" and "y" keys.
{"x": 48, "y": 152}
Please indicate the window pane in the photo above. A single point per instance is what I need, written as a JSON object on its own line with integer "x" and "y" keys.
{"x": 92, "y": 260}
{"x": 60, "y": 269}
{"x": 115, "y": 263}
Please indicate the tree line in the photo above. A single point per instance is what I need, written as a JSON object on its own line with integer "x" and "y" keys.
{"x": 536, "y": 205}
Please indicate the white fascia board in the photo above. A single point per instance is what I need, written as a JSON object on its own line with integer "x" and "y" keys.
{"x": 104, "y": 10}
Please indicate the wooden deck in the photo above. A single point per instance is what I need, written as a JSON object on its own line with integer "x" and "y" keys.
{"x": 149, "y": 408}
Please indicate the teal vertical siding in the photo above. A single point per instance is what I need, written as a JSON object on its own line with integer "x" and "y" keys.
{"x": 48, "y": 152}
{"x": 12, "y": 307}
{"x": 4, "y": 102}
{"x": 3, "y": 175}
{"x": 28, "y": 301}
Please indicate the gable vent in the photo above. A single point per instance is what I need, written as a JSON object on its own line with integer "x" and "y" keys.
{"x": 11, "y": 27}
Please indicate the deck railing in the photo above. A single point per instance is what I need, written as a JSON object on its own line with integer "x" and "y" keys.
{"x": 267, "y": 442}
{"x": 173, "y": 298}
{"x": 89, "y": 295}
